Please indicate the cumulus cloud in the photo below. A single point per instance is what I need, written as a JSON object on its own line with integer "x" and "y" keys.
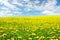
{"x": 26, "y": 0}
{"x": 17, "y": 3}
{"x": 7, "y": 4}
{"x": 4, "y": 12}
{"x": 7, "y": 9}
{"x": 47, "y": 7}
{"x": 46, "y": 12}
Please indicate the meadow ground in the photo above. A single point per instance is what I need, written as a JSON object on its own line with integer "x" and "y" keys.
{"x": 30, "y": 28}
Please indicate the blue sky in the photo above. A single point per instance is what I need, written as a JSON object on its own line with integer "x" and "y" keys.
{"x": 29, "y": 7}
{"x": 58, "y": 2}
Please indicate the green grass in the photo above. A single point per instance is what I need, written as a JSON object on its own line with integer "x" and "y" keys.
{"x": 30, "y": 28}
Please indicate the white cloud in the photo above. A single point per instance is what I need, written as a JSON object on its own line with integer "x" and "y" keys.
{"x": 46, "y": 12}
{"x": 37, "y": 1}
{"x": 26, "y": 0}
{"x": 7, "y": 4}
{"x": 6, "y": 9}
{"x": 17, "y": 3}
{"x": 27, "y": 9}
{"x": 4, "y": 12}
{"x": 47, "y": 7}
{"x": 50, "y": 5}
{"x": 18, "y": 12}
{"x": 57, "y": 9}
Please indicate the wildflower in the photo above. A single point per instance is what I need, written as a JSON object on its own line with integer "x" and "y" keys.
{"x": 51, "y": 32}
{"x": 33, "y": 34}
{"x": 42, "y": 37}
{"x": 8, "y": 39}
{"x": 12, "y": 38}
{"x": 51, "y": 39}
{"x": 1, "y": 31}
{"x": 54, "y": 39}
{"x": 37, "y": 37}
{"x": 10, "y": 28}
{"x": 19, "y": 37}
{"x": 4, "y": 34}
{"x": 30, "y": 38}
{"x": 17, "y": 30}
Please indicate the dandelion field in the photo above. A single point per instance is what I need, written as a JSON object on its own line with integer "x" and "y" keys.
{"x": 30, "y": 28}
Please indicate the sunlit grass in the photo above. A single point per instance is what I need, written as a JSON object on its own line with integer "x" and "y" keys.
{"x": 30, "y": 28}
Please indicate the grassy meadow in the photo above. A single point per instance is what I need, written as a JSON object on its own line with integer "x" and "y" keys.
{"x": 30, "y": 28}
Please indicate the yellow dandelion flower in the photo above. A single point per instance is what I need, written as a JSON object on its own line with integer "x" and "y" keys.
{"x": 56, "y": 39}
{"x": 33, "y": 34}
{"x": 1, "y": 30}
{"x": 3, "y": 34}
{"x": 8, "y": 39}
{"x": 51, "y": 32}
{"x": 37, "y": 37}
{"x": 30, "y": 38}
{"x": 10, "y": 28}
{"x": 17, "y": 30}
{"x": 53, "y": 39}
{"x": 14, "y": 28}
{"x": 42, "y": 37}
{"x": 12, "y": 38}
{"x": 19, "y": 36}
{"x": 1, "y": 27}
